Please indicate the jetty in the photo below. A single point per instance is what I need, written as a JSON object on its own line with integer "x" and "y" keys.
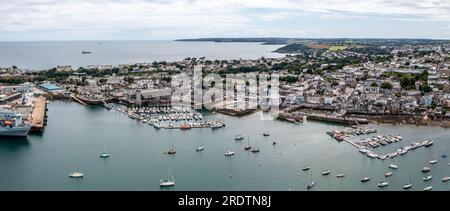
{"x": 38, "y": 114}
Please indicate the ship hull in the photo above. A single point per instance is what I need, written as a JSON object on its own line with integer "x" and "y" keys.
{"x": 16, "y": 131}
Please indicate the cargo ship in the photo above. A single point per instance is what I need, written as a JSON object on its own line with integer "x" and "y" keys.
{"x": 11, "y": 124}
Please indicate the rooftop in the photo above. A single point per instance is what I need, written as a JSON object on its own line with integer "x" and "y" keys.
{"x": 48, "y": 86}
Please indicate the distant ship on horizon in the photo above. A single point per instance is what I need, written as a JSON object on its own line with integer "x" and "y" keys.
{"x": 86, "y": 52}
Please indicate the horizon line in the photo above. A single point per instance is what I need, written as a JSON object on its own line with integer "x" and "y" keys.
{"x": 247, "y": 37}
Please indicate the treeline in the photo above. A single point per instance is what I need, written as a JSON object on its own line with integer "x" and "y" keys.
{"x": 52, "y": 74}
{"x": 371, "y": 50}
{"x": 293, "y": 48}
{"x": 13, "y": 81}
{"x": 243, "y": 69}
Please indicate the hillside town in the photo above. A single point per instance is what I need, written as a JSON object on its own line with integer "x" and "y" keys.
{"x": 405, "y": 83}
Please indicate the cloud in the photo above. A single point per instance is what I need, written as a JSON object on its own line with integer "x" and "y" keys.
{"x": 110, "y": 19}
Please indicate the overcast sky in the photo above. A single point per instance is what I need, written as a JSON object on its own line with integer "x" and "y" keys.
{"x": 171, "y": 19}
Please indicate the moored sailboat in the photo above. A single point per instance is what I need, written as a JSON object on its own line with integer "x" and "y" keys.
{"x": 169, "y": 181}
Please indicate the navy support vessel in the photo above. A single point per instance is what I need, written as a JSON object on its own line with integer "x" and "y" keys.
{"x": 11, "y": 124}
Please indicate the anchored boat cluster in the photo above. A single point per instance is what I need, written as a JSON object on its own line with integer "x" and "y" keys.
{"x": 365, "y": 145}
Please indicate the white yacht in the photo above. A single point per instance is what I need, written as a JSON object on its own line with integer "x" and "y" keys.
{"x": 427, "y": 178}
{"x": 383, "y": 184}
{"x": 105, "y": 154}
{"x": 366, "y": 179}
{"x": 433, "y": 161}
{"x": 167, "y": 182}
{"x": 326, "y": 172}
{"x": 393, "y": 166}
{"x": 340, "y": 175}
{"x": 229, "y": 153}
{"x": 428, "y": 188}
{"x": 409, "y": 185}
{"x": 426, "y": 169}
{"x": 77, "y": 173}
{"x": 238, "y": 137}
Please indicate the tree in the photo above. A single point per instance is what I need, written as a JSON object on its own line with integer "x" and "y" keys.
{"x": 386, "y": 85}
{"x": 426, "y": 88}
{"x": 423, "y": 76}
{"x": 289, "y": 79}
{"x": 374, "y": 84}
{"x": 334, "y": 83}
{"x": 407, "y": 81}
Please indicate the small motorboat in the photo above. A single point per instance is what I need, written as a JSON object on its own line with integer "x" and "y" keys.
{"x": 426, "y": 169}
{"x": 427, "y": 178}
{"x": 266, "y": 134}
{"x": 76, "y": 175}
{"x": 340, "y": 175}
{"x": 326, "y": 172}
{"x": 428, "y": 188}
{"x": 393, "y": 166}
{"x": 445, "y": 179}
{"x": 274, "y": 142}
{"x": 366, "y": 179}
{"x": 306, "y": 168}
{"x": 200, "y": 148}
{"x": 104, "y": 155}
{"x": 383, "y": 184}
{"x": 238, "y": 137}
{"x": 229, "y": 153}
{"x": 254, "y": 150}
{"x": 433, "y": 161}
{"x": 388, "y": 174}
{"x": 407, "y": 186}
{"x": 172, "y": 151}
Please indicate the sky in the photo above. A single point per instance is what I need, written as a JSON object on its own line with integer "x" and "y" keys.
{"x": 32, "y": 20}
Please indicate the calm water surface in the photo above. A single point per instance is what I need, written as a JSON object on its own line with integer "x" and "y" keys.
{"x": 137, "y": 162}
{"x": 44, "y": 55}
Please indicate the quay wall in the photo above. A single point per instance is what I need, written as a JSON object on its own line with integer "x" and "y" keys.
{"x": 341, "y": 120}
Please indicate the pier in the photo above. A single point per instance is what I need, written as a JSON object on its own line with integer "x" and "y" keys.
{"x": 38, "y": 111}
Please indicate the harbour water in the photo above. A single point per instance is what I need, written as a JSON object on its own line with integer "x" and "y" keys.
{"x": 45, "y": 55}
{"x": 78, "y": 133}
